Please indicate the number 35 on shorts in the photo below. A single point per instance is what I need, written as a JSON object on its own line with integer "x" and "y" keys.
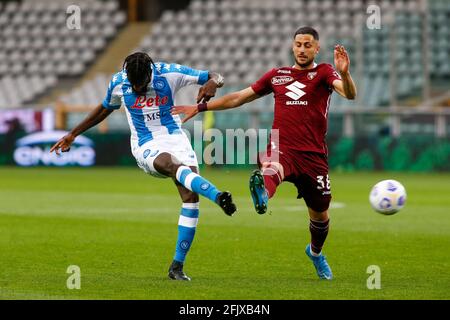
{"x": 323, "y": 182}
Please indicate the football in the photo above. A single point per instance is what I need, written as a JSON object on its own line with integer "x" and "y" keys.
{"x": 387, "y": 197}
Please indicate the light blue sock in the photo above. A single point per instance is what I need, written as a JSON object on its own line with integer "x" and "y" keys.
{"x": 186, "y": 230}
{"x": 196, "y": 183}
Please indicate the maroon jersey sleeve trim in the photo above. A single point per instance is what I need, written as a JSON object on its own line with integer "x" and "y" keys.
{"x": 263, "y": 85}
{"x": 331, "y": 75}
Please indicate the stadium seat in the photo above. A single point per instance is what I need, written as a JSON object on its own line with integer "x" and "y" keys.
{"x": 33, "y": 33}
{"x": 261, "y": 32}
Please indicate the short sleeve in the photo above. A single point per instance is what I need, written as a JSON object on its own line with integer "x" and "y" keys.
{"x": 263, "y": 86}
{"x": 193, "y": 76}
{"x": 187, "y": 76}
{"x": 113, "y": 99}
{"x": 331, "y": 75}
{"x": 180, "y": 76}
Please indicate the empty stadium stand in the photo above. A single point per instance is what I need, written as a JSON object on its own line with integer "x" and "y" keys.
{"x": 243, "y": 39}
{"x": 38, "y": 48}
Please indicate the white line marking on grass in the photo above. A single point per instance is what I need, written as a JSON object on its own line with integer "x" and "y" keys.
{"x": 333, "y": 205}
{"x": 12, "y": 294}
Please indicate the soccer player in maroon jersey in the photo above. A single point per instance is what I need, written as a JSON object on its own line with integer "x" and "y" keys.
{"x": 299, "y": 154}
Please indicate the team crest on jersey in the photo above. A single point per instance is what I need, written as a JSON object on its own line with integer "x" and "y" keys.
{"x": 311, "y": 75}
{"x": 280, "y": 80}
{"x": 159, "y": 84}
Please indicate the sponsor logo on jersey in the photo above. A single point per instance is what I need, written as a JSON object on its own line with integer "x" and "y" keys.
{"x": 280, "y": 80}
{"x": 312, "y": 75}
{"x": 298, "y": 103}
{"x": 152, "y": 116}
{"x": 156, "y": 115}
{"x": 295, "y": 90}
{"x": 284, "y": 71}
{"x": 295, "y": 93}
{"x": 144, "y": 101}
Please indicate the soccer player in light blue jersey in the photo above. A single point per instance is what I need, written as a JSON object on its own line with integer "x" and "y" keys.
{"x": 147, "y": 90}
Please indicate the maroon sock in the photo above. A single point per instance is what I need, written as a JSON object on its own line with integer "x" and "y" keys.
{"x": 319, "y": 232}
{"x": 271, "y": 181}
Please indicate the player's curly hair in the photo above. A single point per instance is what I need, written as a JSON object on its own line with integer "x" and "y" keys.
{"x": 138, "y": 68}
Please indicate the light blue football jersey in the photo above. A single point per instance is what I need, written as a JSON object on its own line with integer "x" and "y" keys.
{"x": 149, "y": 116}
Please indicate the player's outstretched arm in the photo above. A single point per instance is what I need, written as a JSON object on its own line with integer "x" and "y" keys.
{"x": 229, "y": 101}
{"x": 95, "y": 117}
{"x": 345, "y": 87}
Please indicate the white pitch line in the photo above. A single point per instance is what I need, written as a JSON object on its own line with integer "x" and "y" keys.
{"x": 333, "y": 205}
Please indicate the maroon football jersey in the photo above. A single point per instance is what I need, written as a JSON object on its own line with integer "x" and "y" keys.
{"x": 302, "y": 99}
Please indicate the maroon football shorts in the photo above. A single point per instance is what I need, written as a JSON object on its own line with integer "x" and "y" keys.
{"x": 308, "y": 171}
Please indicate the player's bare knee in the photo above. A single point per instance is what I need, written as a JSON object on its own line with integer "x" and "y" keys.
{"x": 172, "y": 168}
{"x": 167, "y": 164}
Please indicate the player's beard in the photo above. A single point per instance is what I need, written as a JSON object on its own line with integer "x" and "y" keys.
{"x": 305, "y": 64}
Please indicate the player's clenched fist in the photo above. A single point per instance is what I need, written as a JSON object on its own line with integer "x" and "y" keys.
{"x": 64, "y": 144}
{"x": 206, "y": 92}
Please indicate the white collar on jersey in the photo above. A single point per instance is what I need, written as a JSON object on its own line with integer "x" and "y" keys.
{"x": 314, "y": 65}
{"x": 153, "y": 75}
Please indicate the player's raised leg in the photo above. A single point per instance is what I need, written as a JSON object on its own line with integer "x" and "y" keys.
{"x": 263, "y": 184}
{"x": 187, "y": 224}
{"x": 168, "y": 165}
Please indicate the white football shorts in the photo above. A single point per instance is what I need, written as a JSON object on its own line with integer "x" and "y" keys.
{"x": 177, "y": 145}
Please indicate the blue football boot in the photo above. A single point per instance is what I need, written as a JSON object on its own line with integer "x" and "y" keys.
{"x": 321, "y": 264}
{"x": 258, "y": 192}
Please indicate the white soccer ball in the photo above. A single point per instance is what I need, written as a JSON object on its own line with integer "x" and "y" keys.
{"x": 387, "y": 197}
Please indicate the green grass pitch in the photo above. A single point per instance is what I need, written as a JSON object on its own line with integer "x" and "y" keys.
{"x": 120, "y": 227}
